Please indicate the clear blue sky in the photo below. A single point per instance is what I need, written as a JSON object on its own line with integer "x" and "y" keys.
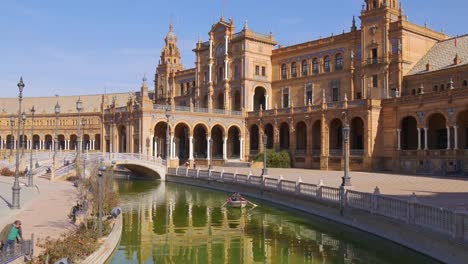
{"x": 85, "y": 46}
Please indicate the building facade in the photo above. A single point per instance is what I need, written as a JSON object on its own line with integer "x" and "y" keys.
{"x": 401, "y": 87}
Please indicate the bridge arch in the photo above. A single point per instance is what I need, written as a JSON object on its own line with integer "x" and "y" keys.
{"x": 147, "y": 169}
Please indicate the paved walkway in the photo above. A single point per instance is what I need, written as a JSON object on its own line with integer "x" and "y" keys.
{"x": 43, "y": 210}
{"x": 440, "y": 191}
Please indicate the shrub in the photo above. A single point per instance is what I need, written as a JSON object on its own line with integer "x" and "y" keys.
{"x": 6, "y": 172}
{"x": 276, "y": 159}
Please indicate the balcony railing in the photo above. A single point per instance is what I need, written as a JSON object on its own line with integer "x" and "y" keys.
{"x": 357, "y": 152}
{"x": 336, "y": 152}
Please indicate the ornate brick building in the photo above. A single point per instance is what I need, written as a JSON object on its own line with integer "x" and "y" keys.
{"x": 401, "y": 87}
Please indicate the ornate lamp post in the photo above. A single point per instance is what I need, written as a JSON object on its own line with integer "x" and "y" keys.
{"x": 30, "y": 176}
{"x": 102, "y": 169}
{"x": 346, "y": 182}
{"x": 12, "y": 143}
{"x": 23, "y": 140}
{"x": 265, "y": 170}
{"x": 54, "y": 158}
{"x": 79, "y": 107}
{"x": 168, "y": 140}
{"x": 15, "y": 204}
{"x": 210, "y": 166}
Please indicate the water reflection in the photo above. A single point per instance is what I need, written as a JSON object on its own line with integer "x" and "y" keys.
{"x": 166, "y": 223}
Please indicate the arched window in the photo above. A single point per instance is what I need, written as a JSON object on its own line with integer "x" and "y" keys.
{"x": 315, "y": 66}
{"x": 326, "y": 64}
{"x": 293, "y": 69}
{"x": 283, "y": 72}
{"x": 339, "y": 62}
{"x": 304, "y": 68}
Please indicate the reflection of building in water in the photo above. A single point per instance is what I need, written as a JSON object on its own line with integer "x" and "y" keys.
{"x": 191, "y": 227}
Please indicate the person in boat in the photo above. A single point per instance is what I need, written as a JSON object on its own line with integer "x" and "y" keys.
{"x": 236, "y": 197}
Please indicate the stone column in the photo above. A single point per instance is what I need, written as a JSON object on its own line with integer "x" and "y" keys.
{"x": 266, "y": 102}
{"x": 225, "y": 148}
{"x": 419, "y": 138}
{"x": 156, "y": 150}
{"x": 426, "y": 147}
{"x": 398, "y": 139}
{"x": 208, "y": 147}
{"x": 448, "y": 137}
{"x": 152, "y": 146}
{"x": 172, "y": 147}
{"x": 241, "y": 148}
{"x": 190, "y": 148}
{"x": 455, "y": 137}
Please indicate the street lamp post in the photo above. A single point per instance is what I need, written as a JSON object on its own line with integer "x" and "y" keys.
{"x": 23, "y": 140}
{"x": 168, "y": 140}
{"x": 346, "y": 180}
{"x": 30, "y": 176}
{"x": 211, "y": 155}
{"x": 79, "y": 107}
{"x": 265, "y": 170}
{"x": 15, "y": 204}
{"x": 102, "y": 169}
{"x": 54, "y": 158}
{"x": 12, "y": 143}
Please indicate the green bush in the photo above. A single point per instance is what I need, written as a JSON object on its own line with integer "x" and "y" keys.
{"x": 276, "y": 159}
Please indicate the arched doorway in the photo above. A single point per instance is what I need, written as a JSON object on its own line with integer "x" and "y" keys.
{"x": 236, "y": 101}
{"x": 301, "y": 137}
{"x": 61, "y": 142}
{"x": 86, "y": 142}
{"x": 336, "y": 137}
{"x": 122, "y": 139}
{"x": 462, "y": 130}
{"x": 10, "y": 142}
{"x": 254, "y": 139}
{"x": 409, "y": 133}
{"x": 97, "y": 142}
{"x": 284, "y": 136}
{"x": 357, "y": 134}
{"x": 200, "y": 145}
{"x": 259, "y": 98}
{"x": 233, "y": 147}
{"x": 181, "y": 141}
{"x": 317, "y": 137}
{"x": 160, "y": 148}
{"x": 437, "y": 132}
{"x": 48, "y": 142}
{"x": 36, "y": 142}
{"x": 269, "y": 131}
{"x": 217, "y": 135}
{"x": 73, "y": 142}
{"x": 23, "y": 141}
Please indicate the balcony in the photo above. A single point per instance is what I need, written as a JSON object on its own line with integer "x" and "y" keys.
{"x": 375, "y": 61}
{"x": 336, "y": 152}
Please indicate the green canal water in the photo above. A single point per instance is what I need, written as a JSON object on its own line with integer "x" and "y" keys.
{"x": 169, "y": 223}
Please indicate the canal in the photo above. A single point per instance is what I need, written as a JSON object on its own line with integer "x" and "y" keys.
{"x": 169, "y": 223}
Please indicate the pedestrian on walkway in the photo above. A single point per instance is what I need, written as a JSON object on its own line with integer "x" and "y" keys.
{"x": 14, "y": 235}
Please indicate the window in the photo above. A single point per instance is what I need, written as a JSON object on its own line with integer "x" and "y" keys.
{"x": 263, "y": 71}
{"x": 326, "y": 64}
{"x": 335, "y": 90}
{"x": 220, "y": 74}
{"x": 375, "y": 81}
{"x": 465, "y": 83}
{"x": 293, "y": 70}
{"x": 435, "y": 88}
{"x": 257, "y": 70}
{"x": 442, "y": 87}
{"x": 285, "y": 98}
{"x": 374, "y": 56}
{"x": 309, "y": 94}
{"x": 181, "y": 89}
{"x": 304, "y": 68}
{"x": 283, "y": 72}
{"x": 315, "y": 66}
{"x": 236, "y": 72}
{"x": 339, "y": 62}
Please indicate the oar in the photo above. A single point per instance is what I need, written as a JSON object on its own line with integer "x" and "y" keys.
{"x": 225, "y": 203}
{"x": 254, "y": 205}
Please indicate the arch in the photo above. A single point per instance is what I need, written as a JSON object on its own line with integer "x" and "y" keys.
{"x": 97, "y": 142}
{"x": 462, "y": 129}
{"x": 233, "y": 143}
{"x": 259, "y": 98}
{"x": 304, "y": 68}
{"x": 284, "y": 136}
{"x": 409, "y": 133}
{"x": 339, "y": 61}
{"x": 181, "y": 142}
{"x": 437, "y": 131}
{"x": 148, "y": 171}
{"x": 294, "y": 69}
{"x": 48, "y": 142}
{"x": 357, "y": 134}
{"x": 326, "y": 63}
{"x": 160, "y": 137}
{"x": 236, "y": 101}
{"x": 61, "y": 142}
{"x": 220, "y": 101}
{"x": 254, "y": 138}
{"x": 86, "y": 142}
{"x": 283, "y": 72}
{"x": 200, "y": 133}
{"x": 317, "y": 137}
{"x": 122, "y": 139}
{"x": 23, "y": 141}
{"x": 336, "y": 136}
{"x": 10, "y": 141}
{"x": 301, "y": 136}
{"x": 315, "y": 65}
{"x": 269, "y": 131}
{"x": 73, "y": 142}
{"x": 36, "y": 142}
{"x": 217, "y": 135}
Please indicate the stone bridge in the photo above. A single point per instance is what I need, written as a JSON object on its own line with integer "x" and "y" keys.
{"x": 150, "y": 167}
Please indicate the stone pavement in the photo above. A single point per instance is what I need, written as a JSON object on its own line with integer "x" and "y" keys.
{"x": 440, "y": 191}
{"x": 42, "y": 212}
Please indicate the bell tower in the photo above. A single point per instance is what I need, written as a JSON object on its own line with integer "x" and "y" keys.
{"x": 170, "y": 63}
{"x": 376, "y": 17}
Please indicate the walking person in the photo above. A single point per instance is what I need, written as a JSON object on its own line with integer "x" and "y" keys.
{"x": 15, "y": 234}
